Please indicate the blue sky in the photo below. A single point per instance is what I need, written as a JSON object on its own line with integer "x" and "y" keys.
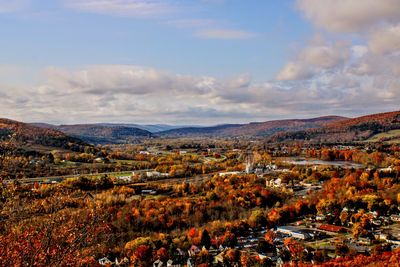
{"x": 198, "y": 61}
{"x": 47, "y": 33}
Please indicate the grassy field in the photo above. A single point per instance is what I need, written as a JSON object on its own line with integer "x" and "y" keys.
{"x": 393, "y": 135}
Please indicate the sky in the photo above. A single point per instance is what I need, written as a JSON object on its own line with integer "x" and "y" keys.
{"x": 199, "y": 62}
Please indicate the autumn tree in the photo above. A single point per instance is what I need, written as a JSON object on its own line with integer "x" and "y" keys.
{"x": 205, "y": 239}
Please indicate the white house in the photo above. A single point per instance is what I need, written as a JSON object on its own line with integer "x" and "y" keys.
{"x": 105, "y": 261}
{"x": 274, "y": 182}
{"x": 156, "y": 174}
{"x": 222, "y": 174}
{"x": 125, "y": 178}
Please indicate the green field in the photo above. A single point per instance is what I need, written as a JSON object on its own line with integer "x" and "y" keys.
{"x": 393, "y": 135}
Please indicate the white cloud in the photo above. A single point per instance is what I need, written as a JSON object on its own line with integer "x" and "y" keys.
{"x": 325, "y": 55}
{"x": 372, "y": 65}
{"x": 224, "y": 34}
{"x": 318, "y": 56}
{"x": 202, "y": 27}
{"x": 385, "y": 40}
{"x": 125, "y": 93}
{"x": 359, "y": 51}
{"x": 349, "y": 15}
{"x": 124, "y": 79}
{"x": 128, "y": 8}
{"x": 295, "y": 71}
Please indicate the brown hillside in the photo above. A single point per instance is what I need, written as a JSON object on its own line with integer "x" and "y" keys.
{"x": 348, "y": 130}
{"x": 19, "y": 133}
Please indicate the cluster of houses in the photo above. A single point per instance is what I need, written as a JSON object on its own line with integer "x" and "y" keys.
{"x": 140, "y": 175}
{"x": 259, "y": 170}
{"x": 309, "y": 230}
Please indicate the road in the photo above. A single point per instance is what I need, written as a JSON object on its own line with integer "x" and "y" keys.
{"x": 64, "y": 177}
{"x": 195, "y": 179}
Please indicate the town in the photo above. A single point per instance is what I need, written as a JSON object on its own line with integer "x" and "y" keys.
{"x": 201, "y": 133}
{"x": 236, "y": 204}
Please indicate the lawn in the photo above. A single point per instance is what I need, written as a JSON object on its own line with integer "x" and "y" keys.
{"x": 393, "y": 135}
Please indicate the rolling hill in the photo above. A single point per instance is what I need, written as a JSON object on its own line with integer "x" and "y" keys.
{"x": 29, "y": 137}
{"x": 218, "y": 130}
{"x": 103, "y": 134}
{"x": 349, "y": 130}
{"x": 260, "y": 129}
{"x": 321, "y": 129}
{"x": 153, "y": 128}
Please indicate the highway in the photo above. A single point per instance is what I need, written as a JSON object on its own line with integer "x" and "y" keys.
{"x": 56, "y": 179}
{"x": 64, "y": 177}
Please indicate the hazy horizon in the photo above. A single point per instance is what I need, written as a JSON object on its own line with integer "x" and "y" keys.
{"x": 175, "y": 125}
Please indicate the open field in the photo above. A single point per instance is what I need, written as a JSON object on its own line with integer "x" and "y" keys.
{"x": 388, "y": 137}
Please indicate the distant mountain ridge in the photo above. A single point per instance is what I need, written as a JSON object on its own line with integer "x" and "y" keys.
{"x": 253, "y": 129}
{"x": 349, "y": 130}
{"x": 153, "y": 128}
{"x": 320, "y": 129}
{"x": 199, "y": 131}
{"x": 102, "y": 134}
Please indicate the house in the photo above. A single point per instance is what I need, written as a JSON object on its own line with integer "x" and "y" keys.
{"x": 149, "y": 192}
{"x": 124, "y": 178}
{"x": 332, "y": 228}
{"x": 271, "y": 167}
{"x": 105, "y": 261}
{"x": 274, "y": 182}
{"x": 293, "y": 232}
{"x": 190, "y": 263}
{"x": 377, "y": 222}
{"x": 193, "y": 251}
{"x": 219, "y": 258}
{"x": 392, "y": 241}
{"x": 395, "y": 218}
{"x": 144, "y": 153}
{"x": 123, "y": 262}
{"x": 158, "y": 263}
{"x": 222, "y": 174}
{"x": 381, "y": 236}
{"x": 156, "y": 174}
{"x": 179, "y": 252}
{"x": 279, "y": 262}
{"x": 99, "y": 160}
{"x": 153, "y": 174}
{"x": 387, "y": 169}
{"x": 364, "y": 241}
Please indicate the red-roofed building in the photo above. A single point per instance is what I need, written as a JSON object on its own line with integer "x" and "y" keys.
{"x": 332, "y": 228}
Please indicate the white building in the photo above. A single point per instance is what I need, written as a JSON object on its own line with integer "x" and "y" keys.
{"x": 293, "y": 232}
{"x": 274, "y": 182}
{"x": 125, "y": 178}
{"x": 155, "y": 174}
{"x": 222, "y": 174}
{"x": 105, "y": 261}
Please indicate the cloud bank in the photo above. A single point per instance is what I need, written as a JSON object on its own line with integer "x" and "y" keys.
{"x": 126, "y": 93}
